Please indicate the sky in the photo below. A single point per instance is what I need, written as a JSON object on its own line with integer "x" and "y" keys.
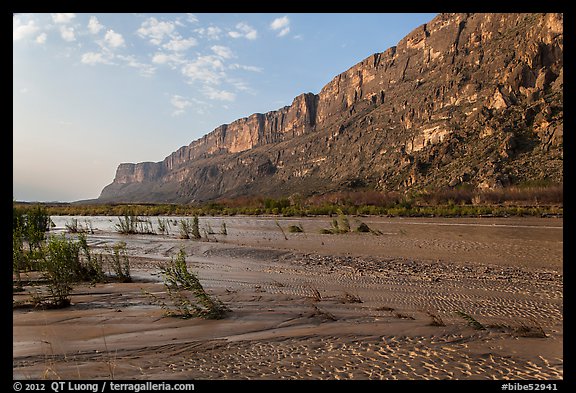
{"x": 91, "y": 91}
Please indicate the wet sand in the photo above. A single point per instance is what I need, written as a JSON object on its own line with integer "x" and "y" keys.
{"x": 313, "y": 306}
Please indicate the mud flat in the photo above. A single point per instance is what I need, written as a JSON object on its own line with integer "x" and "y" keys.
{"x": 399, "y": 304}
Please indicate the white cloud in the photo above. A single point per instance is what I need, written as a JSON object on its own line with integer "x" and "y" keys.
{"x": 63, "y": 18}
{"x": 171, "y": 59}
{"x": 222, "y": 51}
{"x": 144, "y": 69}
{"x": 239, "y": 85}
{"x": 206, "y": 69}
{"x": 237, "y": 66}
{"x": 180, "y": 44}
{"x": 113, "y": 39}
{"x": 67, "y": 33}
{"x": 282, "y": 25}
{"x": 180, "y": 104}
{"x": 244, "y": 30}
{"x": 160, "y": 58}
{"x": 21, "y": 31}
{"x": 41, "y": 39}
{"x": 191, "y": 18}
{"x": 92, "y": 58}
{"x": 94, "y": 26}
{"x": 156, "y": 31}
{"x": 219, "y": 95}
{"x": 211, "y": 32}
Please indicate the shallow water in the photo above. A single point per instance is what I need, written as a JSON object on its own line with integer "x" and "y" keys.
{"x": 517, "y": 241}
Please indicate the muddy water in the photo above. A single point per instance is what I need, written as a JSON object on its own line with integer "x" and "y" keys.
{"x": 529, "y": 242}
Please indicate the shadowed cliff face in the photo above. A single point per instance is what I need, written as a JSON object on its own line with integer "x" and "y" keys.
{"x": 466, "y": 98}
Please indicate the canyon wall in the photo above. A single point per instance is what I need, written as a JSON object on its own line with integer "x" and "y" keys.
{"x": 472, "y": 99}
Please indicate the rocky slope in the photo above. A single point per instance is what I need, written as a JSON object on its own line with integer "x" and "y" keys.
{"x": 465, "y": 99}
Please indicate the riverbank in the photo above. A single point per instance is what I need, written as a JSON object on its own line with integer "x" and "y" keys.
{"x": 394, "y": 304}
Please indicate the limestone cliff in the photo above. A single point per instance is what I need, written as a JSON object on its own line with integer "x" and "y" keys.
{"x": 466, "y": 98}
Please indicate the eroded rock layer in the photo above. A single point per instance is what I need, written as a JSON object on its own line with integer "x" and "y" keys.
{"x": 466, "y": 98}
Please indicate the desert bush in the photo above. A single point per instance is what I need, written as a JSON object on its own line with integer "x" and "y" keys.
{"x": 91, "y": 266}
{"x": 32, "y": 225}
{"x": 127, "y": 223}
{"x": 195, "y": 228}
{"x": 343, "y": 222}
{"x": 185, "y": 228}
{"x": 164, "y": 226}
{"x": 340, "y": 224}
{"x": 18, "y": 257}
{"x": 145, "y": 226}
{"x": 276, "y": 204}
{"x": 295, "y": 228}
{"x": 527, "y": 194}
{"x": 180, "y": 283}
{"x": 72, "y": 226}
{"x": 61, "y": 261}
{"x": 118, "y": 260}
{"x": 189, "y": 229}
{"x": 223, "y": 230}
{"x": 471, "y": 320}
{"x": 75, "y": 227}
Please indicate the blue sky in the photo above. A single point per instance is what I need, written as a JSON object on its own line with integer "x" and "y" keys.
{"x": 91, "y": 91}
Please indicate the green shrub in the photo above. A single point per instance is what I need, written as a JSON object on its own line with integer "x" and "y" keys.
{"x": 164, "y": 226}
{"x": 189, "y": 229}
{"x": 61, "y": 260}
{"x": 91, "y": 266}
{"x": 185, "y": 228}
{"x": 127, "y": 224}
{"x": 341, "y": 224}
{"x": 295, "y": 228}
{"x": 18, "y": 257}
{"x": 195, "y": 228}
{"x": 180, "y": 283}
{"x": 31, "y": 225}
{"x": 118, "y": 259}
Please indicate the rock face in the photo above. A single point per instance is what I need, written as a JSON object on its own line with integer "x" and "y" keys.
{"x": 466, "y": 98}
